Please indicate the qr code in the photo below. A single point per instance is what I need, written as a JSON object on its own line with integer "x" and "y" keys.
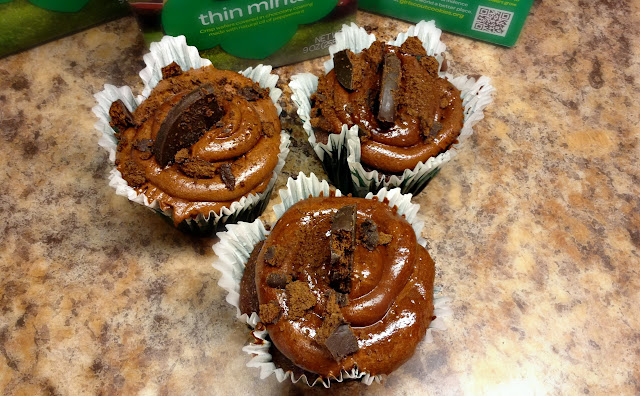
{"x": 491, "y": 20}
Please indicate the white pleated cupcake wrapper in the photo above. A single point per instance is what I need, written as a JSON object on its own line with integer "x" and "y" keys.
{"x": 344, "y": 149}
{"x": 237, "y": 243}
{"x": 162, "y": 53}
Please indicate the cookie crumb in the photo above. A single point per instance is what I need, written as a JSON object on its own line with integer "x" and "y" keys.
{"x": 171, "y": 70}
{"x": 227, "y": 177}
{"x": 133, "y": 174}
{"x": 270, "y": 313}
{"x": 430, "y": 64}
{"x": 384, "y": 239}
{"x": 269, "y": 129}
{"x": 342, "y": 299}
{"x": 197, "y": 168}
{"x": 445, "y": 64}
{"x": 121, "y": 117}
{"x": 182, "y": 156}
{"x": 144, "y": 146}
{"x": 270, "y": 256}
{"x": 435, "y": 129}
{"x": 342, "y": 244}
{"x": 299, "y": 299}
{"x": 369, "y": 234}
{"x": 278, "y": 280}
{"x": 413, "y": 46}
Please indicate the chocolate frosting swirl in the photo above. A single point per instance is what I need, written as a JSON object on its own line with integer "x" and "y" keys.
{"x": 232, "y": 159}
{"x": 429, "y": 112}
{"x": 390, "y": 304}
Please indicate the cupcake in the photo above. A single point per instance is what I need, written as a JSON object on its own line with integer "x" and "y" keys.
{"x": 341, "y": 287}
{"x": 203, "y": 146}
{"x": 387, "y": 115}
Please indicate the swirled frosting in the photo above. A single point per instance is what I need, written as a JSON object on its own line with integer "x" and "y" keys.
{"x": 428, "y": 109}
{"x": 232, "y": 158}
{"x": 388, "y": 307}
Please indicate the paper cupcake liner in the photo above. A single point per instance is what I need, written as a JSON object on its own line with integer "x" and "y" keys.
{"x": 341, "y": 157}
{"x": 162, "y": 53}
{"x": 237, "y": 243}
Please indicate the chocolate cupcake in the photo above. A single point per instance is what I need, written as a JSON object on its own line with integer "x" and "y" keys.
{"x": 202, "y": 146}
{"x": 387, "y": 114}
{"x": 338, "y": 283}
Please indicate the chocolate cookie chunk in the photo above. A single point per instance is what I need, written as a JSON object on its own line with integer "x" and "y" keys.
{"x": 342, "y": 342}
{"x": 413, "y": 46}
{"x": 227, "y": 177}
{"x": 121, "y": 117}
{"x": 270, "y": 256}
{"x": 270, "y": 313}
{"x": 196, "y": 168}
{"x": 347, "y": 68}
{"x": 278, "y": 281}
{"x": 248, "y": 293}
{"x": 171, "y": 70}
{"x": 391, "y": 76}
{"x": 134, "y": 174}
{"x": 299, "y": 299}
{"x": 186, "y": 122}
{"x": 369, "y": 234}
{"x": 342, "y": 244}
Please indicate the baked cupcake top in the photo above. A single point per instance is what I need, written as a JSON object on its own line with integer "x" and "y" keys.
{"x": 340, "y": 283}
{"x": 203, "y": 139}
{"x": 405, "y": 112}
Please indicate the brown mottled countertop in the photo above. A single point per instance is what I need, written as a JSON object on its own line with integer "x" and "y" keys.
{"x": 534, "y": 227}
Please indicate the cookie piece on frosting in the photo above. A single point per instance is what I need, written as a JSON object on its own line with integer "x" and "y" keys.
{"x": 342, "y": 243}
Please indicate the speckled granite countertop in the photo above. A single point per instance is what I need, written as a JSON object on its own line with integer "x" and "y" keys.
{"x": 534, "y": 227}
